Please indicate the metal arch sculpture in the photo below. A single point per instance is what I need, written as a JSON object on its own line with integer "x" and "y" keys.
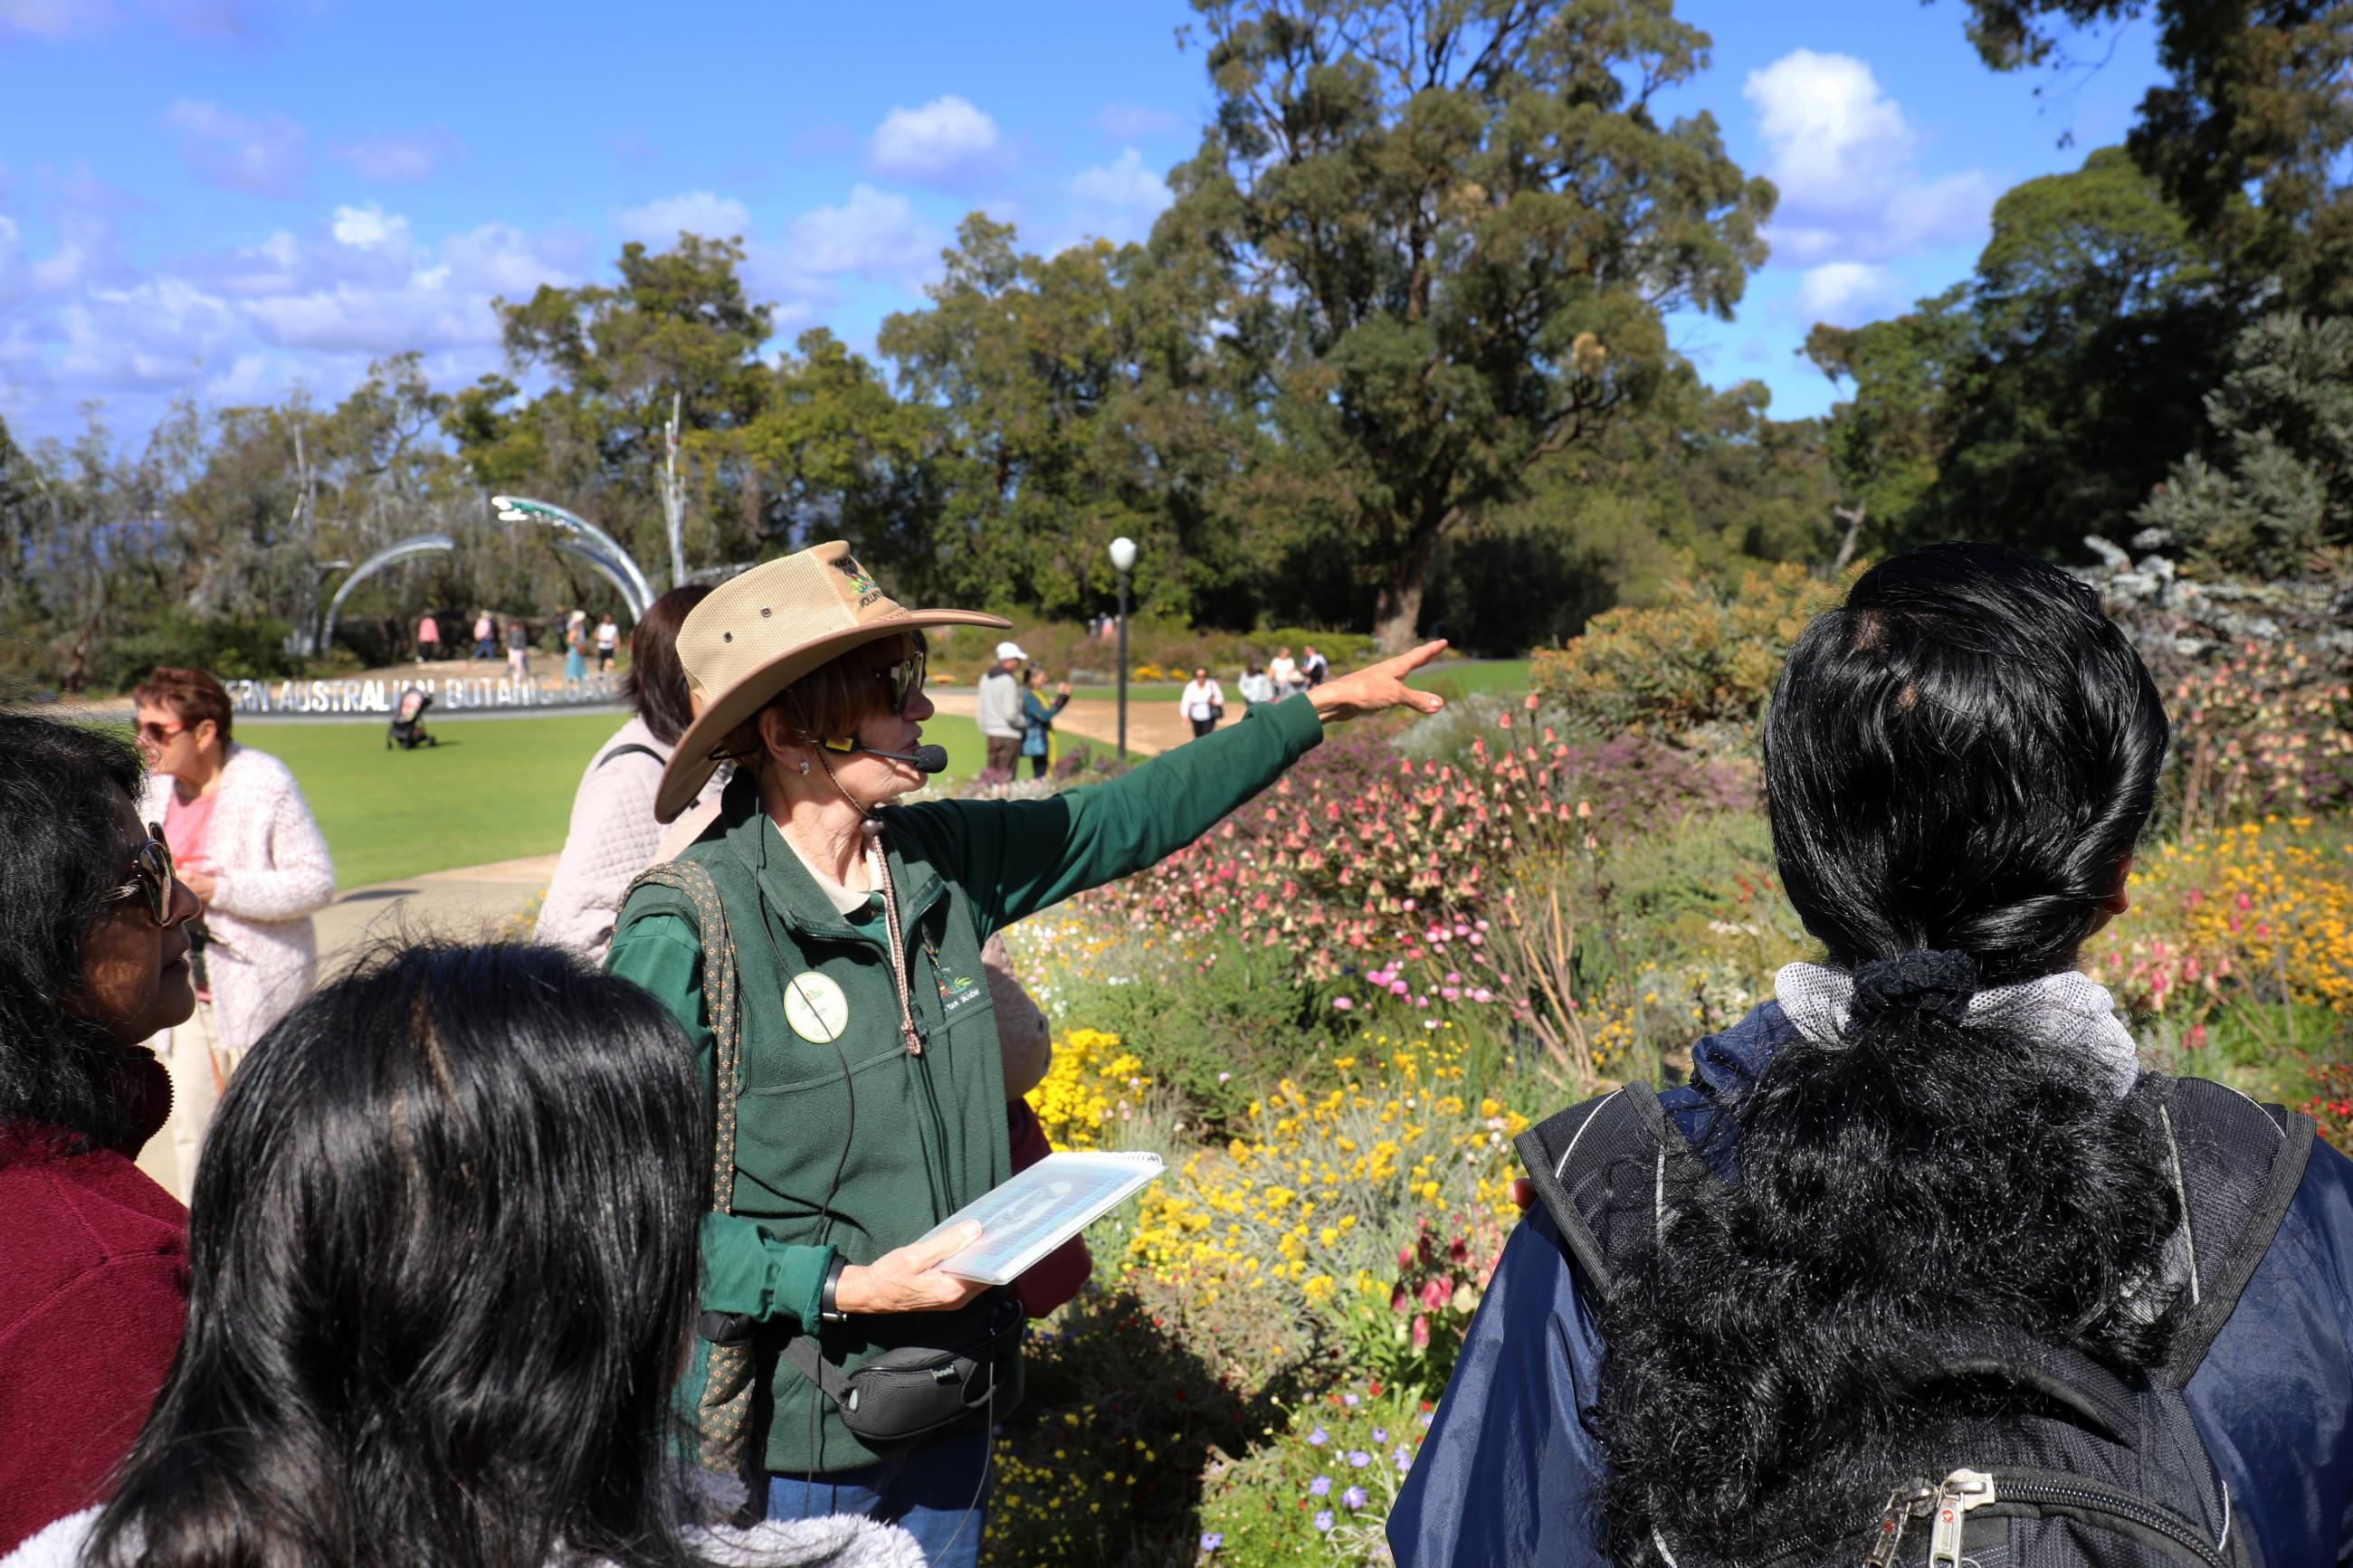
{"x": 408, "y": 549}
{"x": 616, "y": 562}
{"x": 593, "y": 558}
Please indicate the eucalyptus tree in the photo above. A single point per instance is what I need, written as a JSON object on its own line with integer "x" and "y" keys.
{"x": 1447, "y": 231}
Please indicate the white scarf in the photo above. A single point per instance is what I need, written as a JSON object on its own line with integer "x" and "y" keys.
{"x": 2068, "y": 1008}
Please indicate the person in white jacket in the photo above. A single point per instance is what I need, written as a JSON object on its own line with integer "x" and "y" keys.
{"x": 997, "y": 708}
{"x": 244, "y": 841}
{"x": 442, "y": 1272}
{"x": 613, "y": 834}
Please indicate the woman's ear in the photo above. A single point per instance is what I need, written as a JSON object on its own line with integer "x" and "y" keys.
{"x": 2120, "y": 900}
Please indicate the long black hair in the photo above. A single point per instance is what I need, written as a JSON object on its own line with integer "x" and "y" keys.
{"x": 442, "y": 1259}
{"x": 60, "y": 851}
{"x": 1958, "y": 760}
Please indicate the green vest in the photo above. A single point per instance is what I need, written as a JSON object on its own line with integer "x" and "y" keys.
{"x": 913, "y": 1137}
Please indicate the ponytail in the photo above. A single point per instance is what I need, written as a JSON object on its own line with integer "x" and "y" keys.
{"x": 1957, "y": 763}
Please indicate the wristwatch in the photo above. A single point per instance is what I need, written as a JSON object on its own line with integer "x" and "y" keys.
{"x": 826, "y": 1310}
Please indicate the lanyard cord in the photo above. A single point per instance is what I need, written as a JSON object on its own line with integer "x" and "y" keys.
{"x": 879, "y": 870}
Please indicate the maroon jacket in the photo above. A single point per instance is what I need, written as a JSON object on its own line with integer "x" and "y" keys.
{"x": 93, "y": 1289}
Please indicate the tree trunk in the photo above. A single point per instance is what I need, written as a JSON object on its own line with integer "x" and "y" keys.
{"x": 1396, "y": 613}
{"x": 1853, "y": 517}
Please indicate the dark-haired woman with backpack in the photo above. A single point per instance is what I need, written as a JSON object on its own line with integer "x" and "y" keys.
{"x": 1919, "y": 1266}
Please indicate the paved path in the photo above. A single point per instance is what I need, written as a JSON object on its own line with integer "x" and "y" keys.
{"x": 470, "y": 903}
{"x": 1152, "y": 727}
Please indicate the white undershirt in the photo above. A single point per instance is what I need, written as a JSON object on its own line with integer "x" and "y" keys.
{"x": 846, "y": 900}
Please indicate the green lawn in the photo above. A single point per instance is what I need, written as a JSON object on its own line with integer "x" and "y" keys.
{"x": 494, "y": 789}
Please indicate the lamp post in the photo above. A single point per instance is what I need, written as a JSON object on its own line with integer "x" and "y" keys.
{"x": 1123, "y": 558}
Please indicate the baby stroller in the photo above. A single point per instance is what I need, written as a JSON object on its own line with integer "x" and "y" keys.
{"x": 408, "y": 731}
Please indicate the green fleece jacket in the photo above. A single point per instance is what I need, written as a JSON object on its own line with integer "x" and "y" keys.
{"x": 828, "y": 1087}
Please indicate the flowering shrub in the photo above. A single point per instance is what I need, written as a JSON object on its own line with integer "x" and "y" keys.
{"x": 2268, "y": 729}
{"x": 1304, "y": 1209}
{"x": 2265, "y": 908}
{"x": 1089, "y": 1084}
{"x": 1701, "y": 658}
{"x": 1324, "y": 1487}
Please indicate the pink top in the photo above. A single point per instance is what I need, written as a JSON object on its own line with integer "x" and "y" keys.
{"x": 185, "y": 825}
{"x": 426, "y": 631}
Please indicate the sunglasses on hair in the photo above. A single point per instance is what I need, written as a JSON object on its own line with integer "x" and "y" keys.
{"x": 151, "y": 874}
{"x": 906, "y": 679}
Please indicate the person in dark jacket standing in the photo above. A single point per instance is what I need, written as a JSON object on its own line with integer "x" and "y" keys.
{"x": 93, "y": 960}
{"x": 1939, "y": 1131}
{"x": 868, "y": 1103}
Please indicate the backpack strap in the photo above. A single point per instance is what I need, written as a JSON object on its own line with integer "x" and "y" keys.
{"x": 2236, "y": 1165}
{"x": 623, "y": 751}
{"x": 1602, "y": 1169}
{"x": 723, "y": 1415}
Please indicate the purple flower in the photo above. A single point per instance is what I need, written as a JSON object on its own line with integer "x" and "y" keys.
{"x": 1321, "y": 1486}
{"x": 1324, "y": 1519}
{"x": 1348, "y": 1399}
{"x": 1380, "y": 1434}
{"x": 1354, "y": 1497}
{"x": 1359, "y": 1458}
{"x": 1404, "y": 1460}
{"x": 1212, "y": 1539}
{"x": 1426, "y": 1417}
{"x": 1319, "y": 1436}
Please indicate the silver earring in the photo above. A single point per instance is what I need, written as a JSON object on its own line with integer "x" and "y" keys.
{"x": 803, "y": 764}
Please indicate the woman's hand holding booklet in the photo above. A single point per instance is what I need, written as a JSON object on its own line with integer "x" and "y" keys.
{"x": 1040, "y": 1209}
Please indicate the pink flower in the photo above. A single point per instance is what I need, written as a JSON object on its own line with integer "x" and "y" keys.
{"x": 1421, "y": 1332}
{"x": 1433, "y": 1294}
{"x": 1342, "y": 1003}
{"x": 1531, "y": 702}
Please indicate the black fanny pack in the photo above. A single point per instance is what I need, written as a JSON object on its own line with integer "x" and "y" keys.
{"x": 974, "y": 1361}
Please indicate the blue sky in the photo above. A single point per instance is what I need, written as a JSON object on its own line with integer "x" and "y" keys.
{"x": 227, "y": 198}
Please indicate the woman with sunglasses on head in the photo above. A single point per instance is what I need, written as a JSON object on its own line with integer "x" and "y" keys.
{"x": 93, "y": 961}
{"x": 246, "y": 845}
{"x": 862, "y": 1092}
{"x": 441, "y": 1274}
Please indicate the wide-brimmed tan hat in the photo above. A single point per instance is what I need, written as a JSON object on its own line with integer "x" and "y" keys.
{"x": 758, "y": 633}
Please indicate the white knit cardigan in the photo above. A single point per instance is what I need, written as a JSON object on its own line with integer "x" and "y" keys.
{"x": 612, "y": 837}
{"x": 274, "y": 873}
{"x": 841, "y": 1541}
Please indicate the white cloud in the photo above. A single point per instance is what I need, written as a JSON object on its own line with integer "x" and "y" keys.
{"x": 1846, "y": 161}
{"x": 1119, "y": 200}
{"x": 368, "y": 228}
{"x": 267, "y": 154}
{"x": 658, "y": 223}
{"x": 156, "y": 334}
{"x": 1846, "y": 293}
{"x": 875, "y": 233}
{"x": 397, "y": 160}
{"x": 945, "y": 141}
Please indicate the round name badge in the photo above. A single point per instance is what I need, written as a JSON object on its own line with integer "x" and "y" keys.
{"x": 814, "y": 1008}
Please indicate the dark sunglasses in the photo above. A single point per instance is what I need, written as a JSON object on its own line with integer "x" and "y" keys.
{"x": 156, "y": 734}
{"x": 906, "y": 679}
{"x": 151, "y": 874}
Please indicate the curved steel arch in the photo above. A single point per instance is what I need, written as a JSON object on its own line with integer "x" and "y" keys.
{"x": 616, "y": 565}
{"x": 408, "y": 549}
{"x": 581, "y": 549}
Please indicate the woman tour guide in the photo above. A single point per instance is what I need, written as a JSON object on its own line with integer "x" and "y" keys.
{"x": 867, "y": 1103}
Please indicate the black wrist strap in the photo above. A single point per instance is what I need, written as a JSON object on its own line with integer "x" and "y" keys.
{"x": 826, "y": 1311}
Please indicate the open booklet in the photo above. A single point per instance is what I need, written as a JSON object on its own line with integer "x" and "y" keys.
{"x": 1042, "y": 1208}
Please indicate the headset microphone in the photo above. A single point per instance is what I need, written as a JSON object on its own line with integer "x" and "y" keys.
{"x": 923, "y": 759}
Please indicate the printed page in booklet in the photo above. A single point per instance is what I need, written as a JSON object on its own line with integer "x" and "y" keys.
{"x": 1042, "y": 1208}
